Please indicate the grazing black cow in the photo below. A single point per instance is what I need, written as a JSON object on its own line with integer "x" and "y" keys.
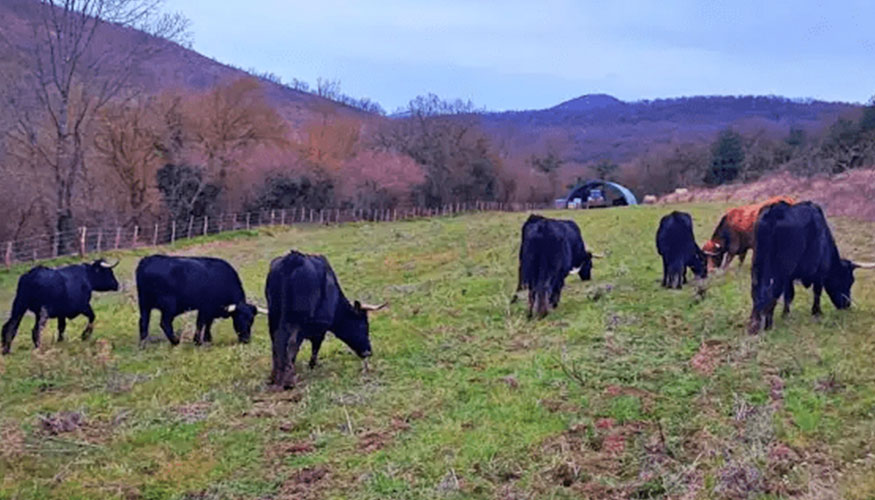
{"x": 794, "y": 242}
{"x": 175, "y": 285}
{"x": 63, "y": 293}
{"x": 304, "y": 301}
{"x": 677, "y": 246}
{"x": 550, "y": 250}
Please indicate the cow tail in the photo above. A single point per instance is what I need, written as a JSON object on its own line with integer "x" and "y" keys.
{"x": 10, "y": 328}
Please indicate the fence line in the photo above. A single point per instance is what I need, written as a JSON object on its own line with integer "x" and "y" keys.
{"x": 90, "y": 239}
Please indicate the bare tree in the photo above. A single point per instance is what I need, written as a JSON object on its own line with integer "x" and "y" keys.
{"x": 71, "y": 77}
{"x": 128, "y": 140}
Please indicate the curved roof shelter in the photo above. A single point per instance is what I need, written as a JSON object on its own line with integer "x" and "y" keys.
{"x": 599, "y": 193}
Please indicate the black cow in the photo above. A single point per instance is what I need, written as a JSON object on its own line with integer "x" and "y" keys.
{"x": 550, "y": 250}
{"x": 677, "y": 246}
{"x": 794, "y": 242}
{"x": 175, "y": 285}
{"x": 305, "y": 300}
{"x": 63, "y": 293}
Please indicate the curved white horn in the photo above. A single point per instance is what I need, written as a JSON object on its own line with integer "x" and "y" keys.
{"x": 864, "y": 265}
{"x": 576, "y": 270}
{"x": 597, "y": 255}
{"x": 712, "y": 254}
{"x": 231, "y": 308}
{"x": 107, "y": 265}
{"x": 261, "y": 310}
{"x": 370, "y": 307}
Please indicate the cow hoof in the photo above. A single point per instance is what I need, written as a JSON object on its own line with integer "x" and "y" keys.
{"x": 87, "y": 333}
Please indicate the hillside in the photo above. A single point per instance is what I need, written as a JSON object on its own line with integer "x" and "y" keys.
{"x": 174, "y": 67}
{"x": 625, "y": 391}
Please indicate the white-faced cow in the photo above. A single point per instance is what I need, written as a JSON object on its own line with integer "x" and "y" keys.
{"x": 63, "y": 293}
{"x": 677, "y": 246}
{"x": 175, "y": 285}
{"x": 794, "y": 243}
{"x": 550, "y": 250}
{"x": 304, "y": 301}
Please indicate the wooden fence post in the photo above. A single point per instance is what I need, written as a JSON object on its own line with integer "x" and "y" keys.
{"x": 82, "y": 233}
{"x": 321, "y": 216}
{"x": 136, "y": 236}
{"x": 173, "y": 231}
{"x": 222, "y": 223}
{"x": 272, "y": 217}
{"x": 99, "y": 240}
{"x": 8, "y": 258}
{"x": 190, "y": 226}
{"x": 248, "y": 218}
{"x": 118, "y": 237}
{"x": 206, "y": 225}
{"x": 283, "y": 217}
{"x": 155, "y": 236}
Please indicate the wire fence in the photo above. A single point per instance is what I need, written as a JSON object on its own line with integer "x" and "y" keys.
{"x": 88, "y": 240}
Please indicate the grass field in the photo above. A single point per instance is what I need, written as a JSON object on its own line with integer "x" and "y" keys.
{"x": 626, "y": 391}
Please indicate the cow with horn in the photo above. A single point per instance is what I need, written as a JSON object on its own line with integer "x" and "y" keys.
{"x": 794, "y": 243}
{"x": 63, "y": 293}
{"x": 305, "y": 301}
{"x": 210, "y": 286}
{"x": 550, "y": 250}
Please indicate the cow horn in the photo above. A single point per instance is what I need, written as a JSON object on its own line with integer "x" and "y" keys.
{"x": 864, "y": 265}
{"x": 261, "y": 310}
{"x": 107, "y": 265}
{"x": 576, "y": 270}
{"x": 712, "y": 254}
{"x": 597, "y": 255}
{"x": 370, "y": 307}
{"x": 231, "y": 308}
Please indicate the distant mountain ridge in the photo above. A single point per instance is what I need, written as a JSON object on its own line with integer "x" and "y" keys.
{"x": 604, "y": 127}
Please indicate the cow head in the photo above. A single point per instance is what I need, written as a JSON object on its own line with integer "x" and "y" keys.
{"x": 243, "y": 315}
{"x": 101, "y": 277}
{"x": 353, "y": 328}
{"x": 840, "y": 280}
{"x": 714, "y": 253}
{"x": 838, "y": 284}
{"x": 698, "y": 262}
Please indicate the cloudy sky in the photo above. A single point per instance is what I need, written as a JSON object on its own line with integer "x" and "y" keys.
{"x": 508, "y": 54}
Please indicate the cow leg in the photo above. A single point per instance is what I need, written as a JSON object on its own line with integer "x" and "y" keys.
{"x": 289, "y": 354}
{"x": 42, "y": 317}
{"x": 769, "y": 314}
{"x": 144, "y": 325}
{"x": 789, "y": 294}
{"x": 741, "y": 258}
{"x": 315, "y": 344}
{"x": 199, "y": 329}
{"x": 167, "y": 326}
{"x": 62, "y": 326}
{"x": 815, "y": 308}
{"x": 89, "y": 328}
{"x": 532, "y": 299}
{"x": 664, "y": 272}
{"x": 208, "y": 331}
{"x": 519, "y": 285}
{"x": 727, "y": 259}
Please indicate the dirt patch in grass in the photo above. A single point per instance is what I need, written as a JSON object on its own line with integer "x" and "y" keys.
{"x": 305, "y": 484}
{"x": 12, "y": 440}
{"x": 194, "y": 412}
{"x": 708, "y": 358}
{"x": 61, "y": 422}
{"x": 289, "y": 449}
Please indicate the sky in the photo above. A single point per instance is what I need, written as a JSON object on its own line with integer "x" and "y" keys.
{"x": 509, "y": 54}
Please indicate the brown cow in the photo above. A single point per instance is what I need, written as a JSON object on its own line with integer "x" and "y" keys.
{"x": 734, "y": 234}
